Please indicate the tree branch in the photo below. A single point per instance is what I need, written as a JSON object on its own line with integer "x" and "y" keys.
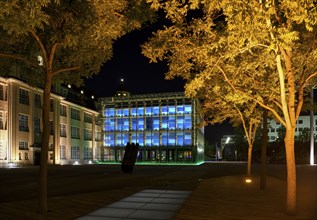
{"x": 66, "y": 70}
{"x": 16, "y": 57}
{"x": 252, "y": 98}
{"x": 39, "y": 42}
{"x": 52, "y": 53}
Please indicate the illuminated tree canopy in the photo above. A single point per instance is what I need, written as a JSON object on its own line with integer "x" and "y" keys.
{"x": 221, "y": 103}
{"x": 62, "y": 41}
{"x": 73, "y": 37}
{"x": 263, "y": 49}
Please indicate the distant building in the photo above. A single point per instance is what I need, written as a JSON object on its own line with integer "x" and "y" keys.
{"x": 75, "y": 134}
{"x": 163, "y": 124}
{"x": 303, "y": 122}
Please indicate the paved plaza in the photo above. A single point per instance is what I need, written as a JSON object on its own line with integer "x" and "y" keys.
{"x": 201, "y": 195}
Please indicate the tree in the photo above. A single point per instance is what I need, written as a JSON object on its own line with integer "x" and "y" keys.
{"x": 62, "y": 41}
{"x": 263, "y": 49}
{"x": 221, "y": 103}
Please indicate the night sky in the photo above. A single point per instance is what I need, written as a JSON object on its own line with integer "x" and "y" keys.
{"x": 141, "y": 76}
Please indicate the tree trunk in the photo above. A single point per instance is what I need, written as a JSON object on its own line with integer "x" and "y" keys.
{"x": 43, "y": 207}
{"x": 291, "y": 171}
{"x": 263, "y": 151}
{"x": 249, "y": 160}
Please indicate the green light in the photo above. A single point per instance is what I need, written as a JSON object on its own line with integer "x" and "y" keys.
{"x": 157, "y": 163}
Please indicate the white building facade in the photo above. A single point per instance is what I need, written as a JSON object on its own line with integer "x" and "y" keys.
{"x": 75, "y": 134}
{"x": 302, "y": 123}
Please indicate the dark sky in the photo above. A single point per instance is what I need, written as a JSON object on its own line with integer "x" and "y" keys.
{"x": 141, "y": 76}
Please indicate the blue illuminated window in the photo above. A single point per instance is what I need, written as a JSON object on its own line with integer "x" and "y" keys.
{"x": 141, "y": 124}
{"x": 180, "y": 109}
{"x": 148, "y": 110}
{"x": 171, "y": 123}
{"x": 125, "y": 138}
{"x": 125, "y": 124}
{"x": 164, "y": 122}
{"x": 138, "y": 138}
{"x": 109, "y": 124}
{"x": 171, "y": 138}
{"x": 156, "y": 110}
{"x": 156, "y": 123}
{"x": 180, "y": 138}
{"x": 164, "y": 138}
{"x": 122, "y": 139}
{"x": 126, "y": 112}
{"x": 171, "y": 110}
{"x": 155, "y": 139}
{"x": 141, "y": 139}
{"x": 119, "y": 112}
{"x": 109, "y": 140}
{"x": 180, "y": 122}
{"x": 134, "y": 123}
{"x": 148, "y": 139}
{"x": 134, "y": 111}
{"x": 188, "y": 122}
{"x": 109, "y": 112}
{"x": 140, "y": 111}
{"x": 188, "y": 138}
{"x": 120, "y": 122}
{"x": 188, "y": 109}
{"x": 134, "y": 137}
{"x": 119, "y": 140}
{"x": 164, "y": 110}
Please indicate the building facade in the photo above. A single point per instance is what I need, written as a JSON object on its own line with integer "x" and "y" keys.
{"x": 163, "y": 124}
{"x": 75, "y": 134}
{"x": 302, "y": 123}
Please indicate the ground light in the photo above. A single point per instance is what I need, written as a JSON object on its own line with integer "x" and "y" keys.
{"x": 248, "y": 180}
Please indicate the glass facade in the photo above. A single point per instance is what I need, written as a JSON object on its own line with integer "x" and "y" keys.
{"x": 148, "y": 121}
{"x": 163, "y": 125}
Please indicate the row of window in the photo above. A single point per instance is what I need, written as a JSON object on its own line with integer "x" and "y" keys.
{"x": 149, "y": 139}
{"x": 75, "y": 113}
{"x": 75, "y": 131}
{"x": 74, "y": 153}
{"x": 296, "y": 129}
{"x": 148, "y": 123}
{"x": 151, "y": 110}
